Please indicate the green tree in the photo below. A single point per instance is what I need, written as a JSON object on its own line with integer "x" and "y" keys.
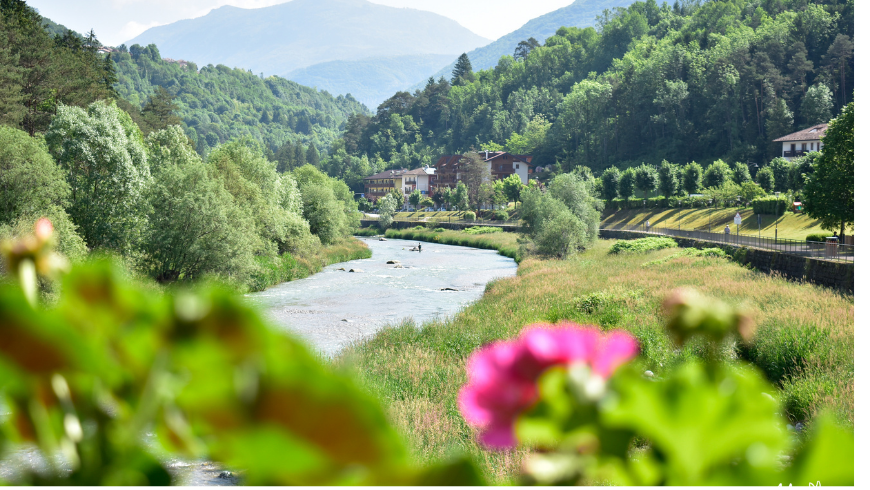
{"x": 386, "y": 210}
{"x": 780, "y": 122}
{"x": 692, "y": 175}
{"x": 830, "y": 193}
{"x": 513, "y": 185}
{"x": 717, "y": 174}
{"x": 427, "y": 202}
{"x": 626, "y": 184}
{"x": 459, "y": 197}
{"x": 749, "y": 191}
{"x": 781, "y": 170}
{"x": 669, "y": 179}
{"x": 103, "y": 154}
{"x": 462, "y": 70}
{"x": 741, "y": 174}
{"x": 610, "y": 183}
{"x": 817, "y": 104}
{"x": 160, "y": 111}
{"x": 563, "y": 220}
{"x": 525, "y": 47}
{"x": 475, "y": 174}
{"x": 194, "y": 226}
{"x": 312, "y": 156}
{"x": 766, "y": 179}
{"x": 414, "y": 198}
{"x": 33, "y": 186}
{"x": 801, "y": 170}
{"x": 646, "y": 179}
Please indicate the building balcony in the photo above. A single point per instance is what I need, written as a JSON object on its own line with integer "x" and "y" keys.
{"x": 794, "y": 154}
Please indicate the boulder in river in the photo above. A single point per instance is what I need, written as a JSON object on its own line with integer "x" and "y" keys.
{"x": 382, "y": 239}
{"x": 355, "y": 270}
{"x": 393, "y": 262}
{"x": 449, "y": 289}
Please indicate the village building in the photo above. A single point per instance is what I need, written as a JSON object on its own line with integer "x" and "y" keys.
{"x": 406, "y": 181}
{"x": 802, "y": 142}
{"x": 448, "y": 170}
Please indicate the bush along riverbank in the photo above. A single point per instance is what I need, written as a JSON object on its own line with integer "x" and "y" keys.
{"x": 507, "y": 244}
{"x": 288, "y": 267}
{"x": 803, "y": 344}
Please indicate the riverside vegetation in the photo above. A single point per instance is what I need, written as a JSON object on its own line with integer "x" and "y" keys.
{"x": 804, "y": 343}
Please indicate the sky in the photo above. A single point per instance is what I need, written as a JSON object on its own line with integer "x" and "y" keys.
{"x": 117, "y": 21}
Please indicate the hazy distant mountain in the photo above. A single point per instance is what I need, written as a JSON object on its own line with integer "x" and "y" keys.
{"x": 373, "y": 80}
{"x": 279, "y": 39}
{"x": 581, "y": 13}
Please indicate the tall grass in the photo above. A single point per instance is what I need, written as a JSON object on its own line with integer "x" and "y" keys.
{"x": 804, "y": 343}
{"x": 288, "y": 267}
{"x": 505, "y": 243}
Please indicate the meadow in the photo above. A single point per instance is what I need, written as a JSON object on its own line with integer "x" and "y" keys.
{"x": 804, "y": 342}
{"x": 507, "y": 244}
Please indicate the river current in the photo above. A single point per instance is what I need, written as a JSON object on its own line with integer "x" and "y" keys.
{"x": 336, "y": 307}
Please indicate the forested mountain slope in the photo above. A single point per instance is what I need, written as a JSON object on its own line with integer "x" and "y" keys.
{"x": 372, "y": 80}
{"x": 218, "y": 104}
{"x": 694, "y": 81}
{"x": 581, "y": 13}
{"x": 279, "y": 39}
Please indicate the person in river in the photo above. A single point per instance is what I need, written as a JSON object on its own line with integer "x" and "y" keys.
{"x": 419, "y": 247}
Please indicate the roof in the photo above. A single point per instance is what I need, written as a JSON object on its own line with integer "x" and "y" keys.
{"x": 391, "y": 174}
{"x": 816, "y": 132}
{"x": 387, "y": 174}
{"x": 487, "y": 157}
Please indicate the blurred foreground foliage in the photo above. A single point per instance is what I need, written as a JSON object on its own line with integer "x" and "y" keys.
{"x": 110, "y": 362}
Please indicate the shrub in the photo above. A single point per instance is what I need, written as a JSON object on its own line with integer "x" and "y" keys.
{"x": 770, "y": 205}
{"x": 500, "y": 216}
{"x": 469, "y": 216}
{"x": 439, "y": 230}
{"x": 642, "y": 245}
{"x": 819, "y": 237}
{"x": 419, "y": 227}
{"x": 480, "y": 230}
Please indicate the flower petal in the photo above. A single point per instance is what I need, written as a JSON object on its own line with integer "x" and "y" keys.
{"x": 615, "y": 349}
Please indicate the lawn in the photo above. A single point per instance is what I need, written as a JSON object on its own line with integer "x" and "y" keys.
{"x": 790, "y": 225}
{"x": 804, "y": 342}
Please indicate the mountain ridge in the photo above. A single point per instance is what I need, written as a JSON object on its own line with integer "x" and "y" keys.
{"x": 581, "y": 13}
{"x": 279, "y": 39}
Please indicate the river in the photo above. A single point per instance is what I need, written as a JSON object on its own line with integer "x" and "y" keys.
{"x": 335, "y": 307}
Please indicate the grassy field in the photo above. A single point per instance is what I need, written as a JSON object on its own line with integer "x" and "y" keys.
{"x": 794, "y": 226}
{"x": 804, "y": 343}
{"x": 506, "y": 244}
{"x": 288, "y": 268}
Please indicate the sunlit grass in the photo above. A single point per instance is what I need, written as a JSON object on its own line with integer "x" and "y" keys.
{"x": 505, "y": 243}
{"x": 790, "y": 225}
{"x": 804, "y": 342}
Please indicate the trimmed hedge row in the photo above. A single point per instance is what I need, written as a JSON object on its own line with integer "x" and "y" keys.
{"x": 770, "y": 205}
{"x": 656, "y": 202}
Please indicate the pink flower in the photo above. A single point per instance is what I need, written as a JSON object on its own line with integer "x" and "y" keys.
{"x": 502, "y": 377}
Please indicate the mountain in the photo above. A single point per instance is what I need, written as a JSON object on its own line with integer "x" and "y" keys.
{"x": 279, "y": 39}
{"x": 218, "y": 104}
{"x": 581, "y": 13}
{"x": 372, "y": 80}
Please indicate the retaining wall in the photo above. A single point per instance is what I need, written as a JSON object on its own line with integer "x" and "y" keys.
{"x": 838, "y": 275}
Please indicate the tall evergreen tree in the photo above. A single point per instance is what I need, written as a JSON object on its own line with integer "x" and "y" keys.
{"x": 462, "y": 70}
{"x": 160, "y": 112}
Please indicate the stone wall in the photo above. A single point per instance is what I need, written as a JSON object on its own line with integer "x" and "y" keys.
{"x": 838, "y": 275}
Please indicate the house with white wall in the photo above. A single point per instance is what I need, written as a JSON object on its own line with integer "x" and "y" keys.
{"x": 802, "y": 142}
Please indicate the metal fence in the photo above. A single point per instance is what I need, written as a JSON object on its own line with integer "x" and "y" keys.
{"x": 819, "y": 250}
